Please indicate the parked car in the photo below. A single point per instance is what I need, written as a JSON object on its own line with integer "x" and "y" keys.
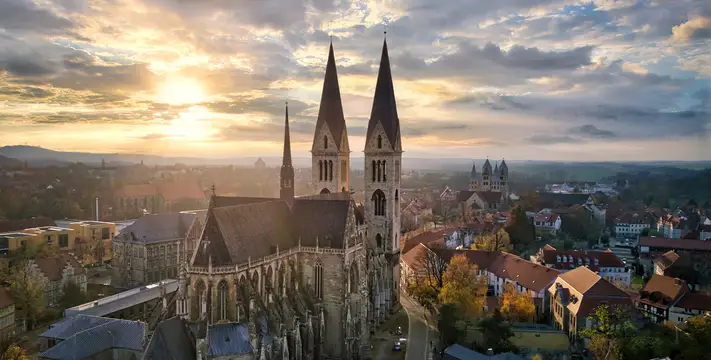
{"x": 398, "y": 331}
{"x": 397, "y": 346}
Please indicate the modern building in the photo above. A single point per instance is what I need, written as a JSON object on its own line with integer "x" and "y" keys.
{"x": 52, "y": 237}
{"x": 576, "y": 294}
{"x": 93, "y": 240}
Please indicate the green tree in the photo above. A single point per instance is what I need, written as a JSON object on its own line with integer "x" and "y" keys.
{"x": 72, "y": 295}
{"x": 612, "y": 330}
{"x": 449, "y": 325}
{"x": 521, "y": 230}
{"x": 697, "y": 342}
{"x": 496, "y": 334}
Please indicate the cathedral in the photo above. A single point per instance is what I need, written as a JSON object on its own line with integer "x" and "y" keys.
{"x": 496, "y": 180}
{"x": 306, "y": 277}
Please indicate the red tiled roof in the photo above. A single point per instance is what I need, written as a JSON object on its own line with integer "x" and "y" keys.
{"x": 594, "y": 289}
{"x": 528, "y": 274}
{"x": 665, "y": 289}
{"x": 52, "y": 265}
{"x": 695, "y": 301}
{"x": 667, "y": 259}
{"x": 546, "y": 217}
{"x": 587, "y": 258}
{"x": 412, "y": 257}
{"x": 680, "y": 244}
{"x": 548, "y": 247}
{"x": 5, "y": 298}
{"x": 426, "y": 238}
{"x": 181, "y": 190}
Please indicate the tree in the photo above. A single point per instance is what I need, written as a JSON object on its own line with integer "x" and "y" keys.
{"x": 498, "y": 241}
{"x": 14, "y": 352}
{"x": 517, "y": 307}
{"x": 521, "y": 231}
{"x": 697, "y": 343}
{"x": 463, "y": 287}
{"x": 612, "y": 330}
{"x": 72, "y": 296}
{"x": 450, "y": 315}
{"x": 120, "y": 264}
{"x": 426, "y": 288}
{"x": 26, "y": 286}
{"x": 496, "y": 334}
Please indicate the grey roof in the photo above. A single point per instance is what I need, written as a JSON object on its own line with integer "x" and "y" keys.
{"x": 111, "y": 304}
{"x": 330, "y": 110}
{"x": 228, "y": 339}
{"x": 72, "y": 325}
{"x": 459, "y": 352}
{"x": 322, "y": 219}
{"x": 113, "y": 334}
{"x": 384, "y": 107}
{"x": 159, "y": 227}
{"x": 172, "y": 340}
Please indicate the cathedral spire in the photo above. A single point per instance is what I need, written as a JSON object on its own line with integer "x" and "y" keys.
{"x": 330, "y": 112}
{"x": 384, "y": 107}
{"x": 473, "y": 170}
{"x": 286, "y": 191}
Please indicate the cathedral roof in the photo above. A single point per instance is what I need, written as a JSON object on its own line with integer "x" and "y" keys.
{"x": 172, "y": 339}
{"x": 330, "y": 110}
{"x": 322, "y": 219}
{"x": 384, "y": 107}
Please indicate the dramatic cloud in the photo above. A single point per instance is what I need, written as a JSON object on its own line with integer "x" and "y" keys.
{"x": 544, "y": 79}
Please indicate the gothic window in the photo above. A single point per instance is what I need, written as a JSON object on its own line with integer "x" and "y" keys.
{"x": 385, "y": 170}
{"x": 354, "y": 278}
{"x": 200, "y": 287}
{"x": 396, "y": 196}
{"x": 222, "y": 300}
{"x": 379, "y": 241}
{"x": 320, "y": 170}
{"x": 378, "y": 200}
{"x": 318, "y": 280}
{"x": 255, "y": 282}
{"x": 380, "y": 142}
{"x": 344, "y": 171}
{"x": 330, "y": 170}
{"x": 325, "y": 142}
{"x": 380, "y": 170}
{"x": 324, "y": 191}
{"x": 270, "y": 275}
{"x": 374, "y": 170}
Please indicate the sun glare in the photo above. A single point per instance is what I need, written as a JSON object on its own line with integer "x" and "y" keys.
{"x": 180, "y": 90}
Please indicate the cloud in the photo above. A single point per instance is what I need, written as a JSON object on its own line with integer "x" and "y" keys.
{"x": 546, "y": 139}
{"x": 28, "y": 16}
{"x": 695, "y": 29}
{"x": 593, "y": 132}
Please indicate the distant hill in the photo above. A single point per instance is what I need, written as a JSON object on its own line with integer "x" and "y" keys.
{"x": 7, "y": 162}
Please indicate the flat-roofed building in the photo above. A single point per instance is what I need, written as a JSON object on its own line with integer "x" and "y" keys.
{"x": 94, "y": 240}
{"x": 13, "y": 241}
{"x": 53, "y": 237}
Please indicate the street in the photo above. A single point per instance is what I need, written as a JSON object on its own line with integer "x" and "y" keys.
{"x": 419, "y": 338}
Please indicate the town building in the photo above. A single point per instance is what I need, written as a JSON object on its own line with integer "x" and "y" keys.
{"x": 698, "y": 251}
{"x": 547, "y": 222}
{"x": 480, "y": 202}
{"x": 691, "y": 304}
{"x": 51, "y": 237}
{"x": 658, "y": 295}
{"x": 57, "y": 270}
{"x": 93, "y": 240}
{"x": 576, "y": 294}
{"x": 91, "y": 337}
{"x": 148, "y": 250}
{"x": 302, "y": 269}
{"x": 630, "y": 224}
{"x": 604, "y": 263}
{"x": 7, "y": 315}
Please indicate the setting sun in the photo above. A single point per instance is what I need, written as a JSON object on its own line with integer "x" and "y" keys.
{"x": 180, "y": 90}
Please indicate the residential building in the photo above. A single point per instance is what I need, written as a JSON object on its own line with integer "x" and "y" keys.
{"x": 7, "y": 315}
{"x": 576, "y": 294}
{"x": 431, "y": 238}
{"x": 547, "y": 222}
{"x": 57, "y": 270}
{"x": 414, "y": 214}
{"x": 677, "y": 265}
{"x": 630, "y": 225}
{"x": 93, "y": 240}
{"x": 699, "y": 252}
{"x": 149, "y": 250}
{"x": 658, "y": 295}
{"x": 604, "y": 263}
{"x": 53, "y": 237}
{"x": 12, "y": 241}
{"x": 691, "y": 304}
{"x": 90, "y": 337}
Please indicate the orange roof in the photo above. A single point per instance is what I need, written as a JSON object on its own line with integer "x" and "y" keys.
{"x": 412, "y": 257}
{"x": 5, "y": 298}
{"x": 426, "y": 238}
{"x": 51, "y": 265}
{"x": 181, "y": 190}
{"x": 662, "y": 290}
{"x": 595, "y": 291}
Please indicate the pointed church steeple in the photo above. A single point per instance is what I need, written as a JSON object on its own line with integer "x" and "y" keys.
{"x": 286, "y": 191}
{"x": 330, "y": 112}
{"x": 384, "y": 110}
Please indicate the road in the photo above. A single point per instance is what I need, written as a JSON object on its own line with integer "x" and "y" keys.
{"x": 418, "y": 337}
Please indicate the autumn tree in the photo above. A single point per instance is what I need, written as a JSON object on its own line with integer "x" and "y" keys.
{"x": 427, "y": 284}
{"x": 14, "y": 352}
{"x": 26, "y": 286}
{"x": 697, "y": 342}
{"x": 497, "y": 241}
{"x": 463, "y": 287}
{"x": 516, "y": 306}
{"x": 611, "y": 332}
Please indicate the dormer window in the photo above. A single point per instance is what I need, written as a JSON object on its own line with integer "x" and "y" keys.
{"x": 570, "y": 258}
{"x": 380, "y": 142}
{"x": 580, "y": 261}
{"x": 597, "y": 262}
{"x": 557, "y": 258}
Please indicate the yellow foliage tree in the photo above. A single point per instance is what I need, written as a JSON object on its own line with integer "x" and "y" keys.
{"x": 14, "y": 352}
{"x": 516, "y": 306}
{"x": 463, "y": 287}
{"x": 498, "y": 241}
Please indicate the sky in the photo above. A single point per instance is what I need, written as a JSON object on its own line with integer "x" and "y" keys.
{"x": 516, "y": 79}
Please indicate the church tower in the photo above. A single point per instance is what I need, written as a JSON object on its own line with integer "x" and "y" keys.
{"x": 286, "y": 189}
{"x": 330, "y": 153}
{"x": 383, "y": 155}
{"x": 474, "y": 181}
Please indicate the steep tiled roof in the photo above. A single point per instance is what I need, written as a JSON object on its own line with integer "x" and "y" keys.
{"x": 490, "y": 197}
{"x": 464, "y": 195}
{"x": 17, "y": 225}
{"x": 695, "y": 301}
{"x": 526, "y": 273}
{"x": 172, "y": 340}
{"x": 587, "y": 258}
{"x": 114, "y": 334}
{"x": 595, "y": 291}
{"x": 228, "y": 340}
{"x": 181, "y": 190}
{"x": 426, "y": 238}
{"x": 667, "y": 259}
{"x": 412, "y": 257}
{"x": 51, "y": 265}
{"x": 5, "y": 298}
{"x": 544, "y": 217}
{"x": 663, "y": 290}
{"x": 158, "y": 227}
{"x": 324, "y": 220}
{"x": 679, "y": 244}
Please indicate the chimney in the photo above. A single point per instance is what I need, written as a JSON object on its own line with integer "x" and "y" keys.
{"x": 97, "y": 208}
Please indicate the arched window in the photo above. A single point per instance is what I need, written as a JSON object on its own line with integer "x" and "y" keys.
{"x": 222, "y": 293}
{"x": 200, "y": 294}
{"x": 330, "y": 170}
{"x": 325, "y": 142}
{"x": 396, "y": 196}
{"x": 255, "y": 282}
{"x": 324, "y": 191}
{"x": 385, "y": 170}
{"x": 269, "y": 279}
{"x": 380, "y": 170}
{"x": 378, "y": 200}
{"x": 374, "y": 170}
{"x": 380, "y": 142}
{"x": 318, "y": 280}
{"x": 320, "y": 170}
{"x": 354, "y": 278}
{"x": 379, "y": 241}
